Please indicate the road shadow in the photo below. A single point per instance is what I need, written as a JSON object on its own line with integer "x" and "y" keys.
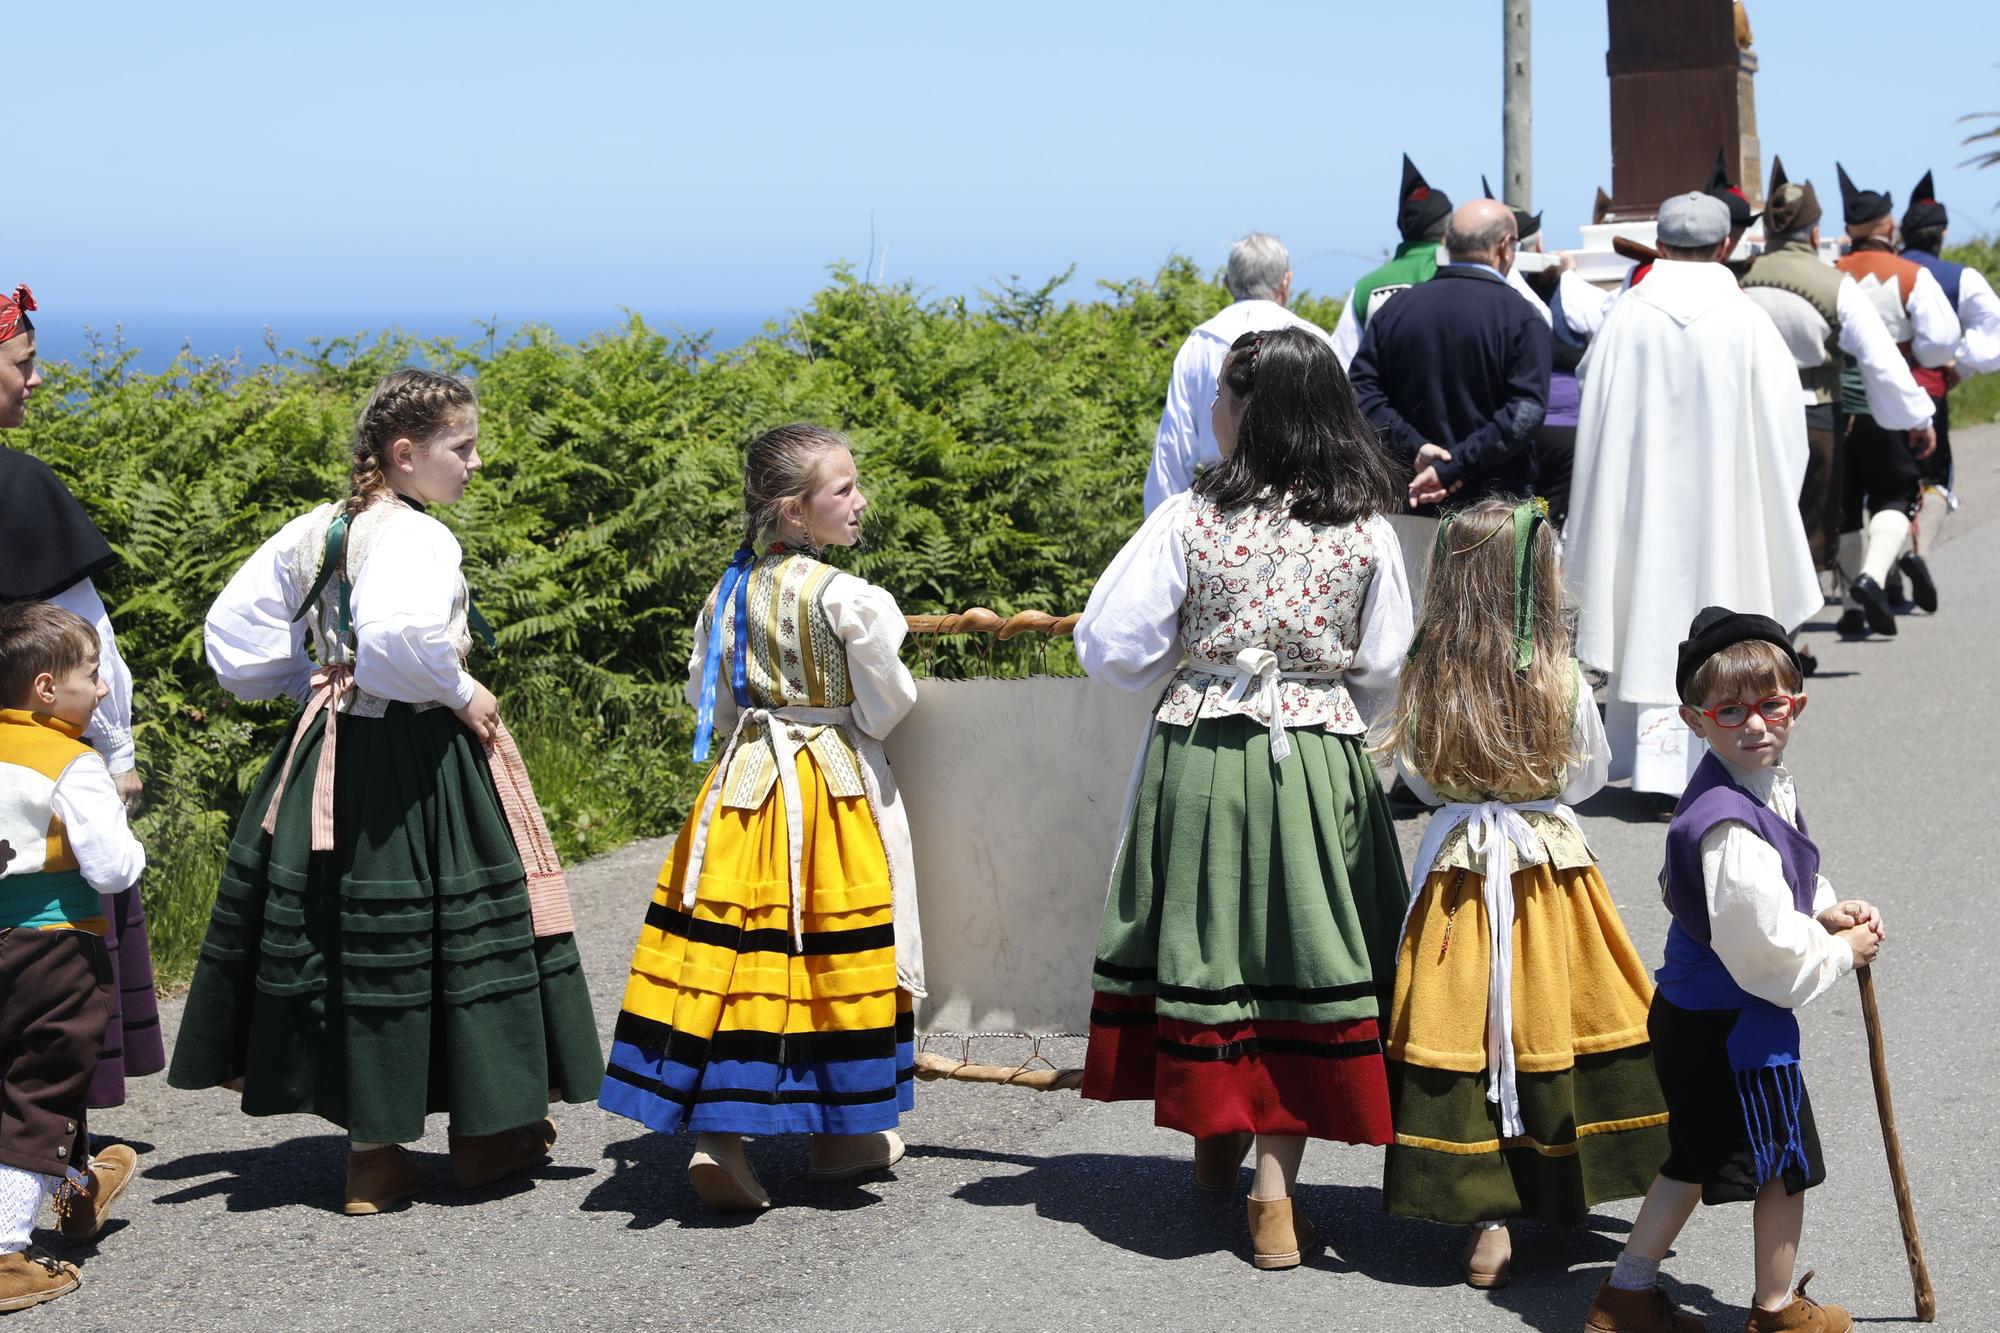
{"x": 311, "y": 1172}
{"x": 1630, "y": 807}
{"x": 649, "y": 1185}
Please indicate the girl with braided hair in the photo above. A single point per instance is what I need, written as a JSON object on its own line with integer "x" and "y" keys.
{"x": 390, "y": 937}
{"x": 1249, "y": 939}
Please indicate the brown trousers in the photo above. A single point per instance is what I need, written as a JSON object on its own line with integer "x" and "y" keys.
{"x": 55, "y": 999}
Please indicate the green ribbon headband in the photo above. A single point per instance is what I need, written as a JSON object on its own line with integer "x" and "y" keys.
{"x": 1527, "y": 516}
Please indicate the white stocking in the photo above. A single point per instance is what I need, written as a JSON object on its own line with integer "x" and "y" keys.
{"x": 1937, "y": 503}
{"x": 1887, "y": 530}
{"x": 1848, "y": 558}
{"x": 21, "y": 1195}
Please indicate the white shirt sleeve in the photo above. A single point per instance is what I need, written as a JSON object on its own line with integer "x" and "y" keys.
{"x": 1519, "y": 282}
{"x": 1934, "y": 330}
{"x": 1386, "y": 628}
{"x": 1772, "y": 950}
{"x": 1584, "y": 304}
{"x": 1176, "y": 446}
{"x": 402, "y": 599}
{"x": 1129, "y": 634}
{"x": 1594, "y": 769}
{"x": 108, "y": 856}
{"x": 872, "y": 627}
{"x": 254, "y": 647}
{"x": 1979, "y": 315}
{"x": 1895, "y": 399}
{"x": 111, "y": 720}
{"x": 1347, "y": 332}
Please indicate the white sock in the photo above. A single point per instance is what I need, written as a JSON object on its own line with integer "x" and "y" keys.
{"x": 1887, "y": 531}
{"x": 363, "y": 1145}
{"x": 1930, "y": 519}
{"x": 21, "y": 1195}
{"x": 1848, "y": 560}
{"x": 1635, "y": 1273}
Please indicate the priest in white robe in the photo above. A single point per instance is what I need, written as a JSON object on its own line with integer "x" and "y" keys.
{"x": 1690, "y": 451}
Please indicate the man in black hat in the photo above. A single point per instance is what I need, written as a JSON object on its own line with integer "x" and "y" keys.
{"x": 1738, "y": 204}
{"x": 1978, "y": 310}
{"x": 1825, "y": 320}
{"x": 1880, "y": 463}
{"x": 1421, "y": 214}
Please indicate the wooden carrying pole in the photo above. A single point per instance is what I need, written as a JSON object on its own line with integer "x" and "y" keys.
{"x": 1892, "y": 1143}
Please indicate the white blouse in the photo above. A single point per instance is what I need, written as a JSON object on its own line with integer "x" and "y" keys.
{"x": 108, "y": 857}
{"x": 1772, "y": 950}
{"x": 405, "y": 648}
{"x": 111, "y": 721}
{"x": 1130, "y": 633}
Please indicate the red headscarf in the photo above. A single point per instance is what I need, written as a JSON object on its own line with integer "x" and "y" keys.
{"x": 14, "y": 310}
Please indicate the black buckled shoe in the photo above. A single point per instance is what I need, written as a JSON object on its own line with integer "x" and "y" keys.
{"x": 1875, "y": 606}
{"x": 1923, "y": 588}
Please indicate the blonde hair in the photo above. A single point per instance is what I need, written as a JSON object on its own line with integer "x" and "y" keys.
{"x": 410, "y": 405}
{"x": 1465, "y": 719}
{"x": 780, "y": 465}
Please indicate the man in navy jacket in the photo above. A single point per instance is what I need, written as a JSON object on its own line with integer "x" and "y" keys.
{"x": 1454, "y": 375}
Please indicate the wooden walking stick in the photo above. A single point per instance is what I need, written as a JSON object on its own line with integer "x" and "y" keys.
{"x": 1892, "y": 1143}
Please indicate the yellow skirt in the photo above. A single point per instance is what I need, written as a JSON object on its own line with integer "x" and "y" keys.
{"x": 727, "y": 1025}
{"x": 1593, "y": 1118}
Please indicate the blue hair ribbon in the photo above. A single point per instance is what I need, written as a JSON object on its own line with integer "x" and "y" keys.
{"x": 736, "y": 583}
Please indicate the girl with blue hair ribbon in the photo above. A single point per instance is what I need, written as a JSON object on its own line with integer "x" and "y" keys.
{"x": 771, "y": 989}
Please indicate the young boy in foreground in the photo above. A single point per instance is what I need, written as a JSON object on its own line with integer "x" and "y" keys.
{"x": 63, "y": 841}
{"x": 1756, "y": 933}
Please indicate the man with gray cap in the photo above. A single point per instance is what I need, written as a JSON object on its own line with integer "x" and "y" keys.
{"x": 1824, "y": 318}
{"x": 1259, "y": 279}
{"x": 1690, "y": 447}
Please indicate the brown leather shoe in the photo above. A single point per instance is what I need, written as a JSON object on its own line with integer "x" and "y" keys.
{"x": 1649, "y": 1311}
{"x": 381, "y": 1177}
{"x": 1218, "y": 1160}
{"x": 481, "y": 1159}
{"x": 1803, "y": 1313}
{"x": 1488, "y": 1257}
{"x": 31, "y": 1276}
{"x": 81, "y": 1211}
{"x": 845, "y": 1156}
{"x": 1280, "y": 1236}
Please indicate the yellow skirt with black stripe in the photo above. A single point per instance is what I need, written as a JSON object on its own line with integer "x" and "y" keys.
{"x": 1593, "y": 1118}
{"x": 727, "y": 1025}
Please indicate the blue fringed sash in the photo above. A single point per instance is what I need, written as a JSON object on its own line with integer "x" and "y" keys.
{"x": 735, "y": 583}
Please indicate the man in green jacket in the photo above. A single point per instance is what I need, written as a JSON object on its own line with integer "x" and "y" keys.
{"x": 1421, "y": 214}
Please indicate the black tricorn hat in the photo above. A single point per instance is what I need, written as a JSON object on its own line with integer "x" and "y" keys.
{"x": 1860, "y": 207}
{"x": 1526, "y": 224}
{"x": 1719, "y": 185}
{"x": 1418, "y": 207}
{"x": 1715, "y": 628}
{"x": 1924, "y": 209}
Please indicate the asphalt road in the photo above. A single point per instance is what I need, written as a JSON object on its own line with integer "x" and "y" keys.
{"x": 1017, "y": 1210}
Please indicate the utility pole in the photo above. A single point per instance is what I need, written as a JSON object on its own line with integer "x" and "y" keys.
{"x": 1517, "y": 108}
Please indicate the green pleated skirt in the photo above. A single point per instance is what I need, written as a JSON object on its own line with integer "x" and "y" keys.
{"x": 1249, "y": 941}
{"x": 399, "y": 974}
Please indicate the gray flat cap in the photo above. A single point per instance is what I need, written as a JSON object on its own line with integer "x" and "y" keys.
{"x": 1693, "y": 221}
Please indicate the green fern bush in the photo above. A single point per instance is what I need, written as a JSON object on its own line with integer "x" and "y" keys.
{"x": 1004, "y": 444}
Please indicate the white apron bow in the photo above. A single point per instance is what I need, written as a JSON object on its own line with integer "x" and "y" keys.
{"x": 1494, "y": 829}
{"x": 785, "y": 750}
{"x": 1257, "y": 669}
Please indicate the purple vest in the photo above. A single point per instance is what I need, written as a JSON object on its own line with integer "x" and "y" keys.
{"x": 1712, "y": 796}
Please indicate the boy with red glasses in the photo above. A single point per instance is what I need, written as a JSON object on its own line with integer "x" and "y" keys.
{"x": 1756, "y": 933}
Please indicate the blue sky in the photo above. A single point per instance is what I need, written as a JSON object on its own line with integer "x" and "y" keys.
{"x": 391, "y": 160}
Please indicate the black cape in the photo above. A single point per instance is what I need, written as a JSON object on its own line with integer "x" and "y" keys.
{"x": 47, "y": 542}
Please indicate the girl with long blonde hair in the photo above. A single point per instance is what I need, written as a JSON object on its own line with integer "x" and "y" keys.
{"x": 1520, "y": 1078}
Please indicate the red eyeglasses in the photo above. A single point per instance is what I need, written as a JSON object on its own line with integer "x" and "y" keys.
{"x": 1775, "y": 708}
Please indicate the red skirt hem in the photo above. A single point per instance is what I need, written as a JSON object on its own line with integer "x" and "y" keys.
{"x": 1266, "y": 1076}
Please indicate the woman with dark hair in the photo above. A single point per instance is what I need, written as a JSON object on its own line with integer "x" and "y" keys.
{"x": 1250, "y": 935}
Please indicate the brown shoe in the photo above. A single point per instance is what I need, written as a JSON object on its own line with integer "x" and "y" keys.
{"x": 1803, "y": 1313}
{"x": 1218, "y": 1160}
{"x": 81, "y": 1210}
{"x": 31, "y": 1276}
{"x": 845, "y": 1156}
{"x": 726, "y": 1186}
{"x": 1488, "y": 1258}
{"x": 381, "y": 1177}
{"x": 1280, "y": 1236}
{"x": 1650, "y": 1311}
{"x": 481, "y": 1159}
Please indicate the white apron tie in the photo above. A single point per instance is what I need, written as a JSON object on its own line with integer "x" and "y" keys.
{"x": 1257, "y": 669}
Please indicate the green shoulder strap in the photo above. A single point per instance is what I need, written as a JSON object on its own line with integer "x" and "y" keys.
{"x": 331, "y": 563}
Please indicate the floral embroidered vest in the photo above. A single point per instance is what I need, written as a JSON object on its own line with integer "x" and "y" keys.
{"x": 1257, "y": 578}
{"x": 795, "y": 660}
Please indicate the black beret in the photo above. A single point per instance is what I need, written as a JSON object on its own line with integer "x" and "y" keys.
{"x": 1715, "y": 628}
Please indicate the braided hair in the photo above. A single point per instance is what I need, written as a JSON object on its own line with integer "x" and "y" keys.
{"x": 410, "y": 405}
{"x": 780, "y": 465}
